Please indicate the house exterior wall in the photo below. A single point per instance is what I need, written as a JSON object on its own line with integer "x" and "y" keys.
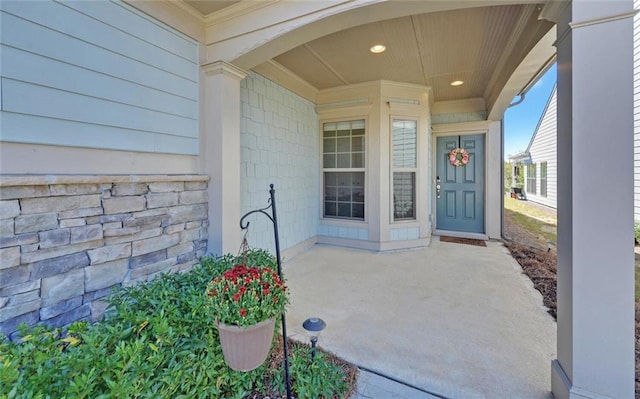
{"x": 65, "y": 242}
{"x": 99, "y": 104}
{"x": 379, "y": 103}
{"x": 543, "y": 148}
{"x": 97, "y": 75}
{"x": 636, "y": 111}
{"x": 280, "y": 144}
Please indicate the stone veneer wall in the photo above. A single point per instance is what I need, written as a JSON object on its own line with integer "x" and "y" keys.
{"x": 66, "y": 241}
{"x": 280, "y": 144}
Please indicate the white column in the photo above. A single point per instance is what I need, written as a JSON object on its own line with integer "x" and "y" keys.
{"x": 221, "y": 151}
{"x": 595, "y": 202}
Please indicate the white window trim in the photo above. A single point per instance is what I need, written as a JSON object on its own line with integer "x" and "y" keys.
{"x": 367, "y": 197}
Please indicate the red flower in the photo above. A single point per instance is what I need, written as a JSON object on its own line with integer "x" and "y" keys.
{"x": 242, "y": 289}
{"x": 265, "y": 291}
{"x": 212, "y": 293}
{"x": 275, "y": 299}
{"x": 243, "y": 312}
{"x": 237, "y": 296}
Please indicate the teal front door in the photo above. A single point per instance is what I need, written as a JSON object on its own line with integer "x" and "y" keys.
{"x": 460, "y": 189}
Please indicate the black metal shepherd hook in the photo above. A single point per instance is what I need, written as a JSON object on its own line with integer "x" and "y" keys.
{"x": 274, "y": 220}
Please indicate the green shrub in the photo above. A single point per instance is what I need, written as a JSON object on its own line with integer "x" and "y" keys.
{"x": 637, "y": 233}
{"x": 157, "y": 341}
{"x": 322, "y": 377}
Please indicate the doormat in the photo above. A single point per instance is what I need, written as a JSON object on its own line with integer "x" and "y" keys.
{"x": 468, "y": 241}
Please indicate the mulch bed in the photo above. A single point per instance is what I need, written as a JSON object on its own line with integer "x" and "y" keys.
{"x": 541, "y": 268}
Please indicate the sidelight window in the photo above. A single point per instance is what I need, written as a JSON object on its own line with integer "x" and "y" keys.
{"x": 404, "y": 147}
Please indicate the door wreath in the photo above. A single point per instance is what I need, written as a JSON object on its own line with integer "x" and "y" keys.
{"x": 459, "y": 157}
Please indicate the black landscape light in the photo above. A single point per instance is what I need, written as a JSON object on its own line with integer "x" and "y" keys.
{"x": 313, "y": 326}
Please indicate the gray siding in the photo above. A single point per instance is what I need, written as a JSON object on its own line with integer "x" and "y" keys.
{"x": 543, "y": 148}
{"x": 636, "y": 109}
{"x": 280, "y": 144}
{"x": 96, "y": 74}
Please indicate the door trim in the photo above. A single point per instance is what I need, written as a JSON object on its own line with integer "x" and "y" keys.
{"x": 457, "y": 129}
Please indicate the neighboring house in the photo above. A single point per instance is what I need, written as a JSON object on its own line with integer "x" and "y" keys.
{"x": 135, "y": 134}
{"x": 517, "y": 162}
{"x": 542, "y": 166}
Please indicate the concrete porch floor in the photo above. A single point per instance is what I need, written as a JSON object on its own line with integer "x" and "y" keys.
{"x": 455, "y": 320}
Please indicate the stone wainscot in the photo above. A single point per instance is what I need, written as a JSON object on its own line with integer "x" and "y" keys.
{"x": 66, "y": 241}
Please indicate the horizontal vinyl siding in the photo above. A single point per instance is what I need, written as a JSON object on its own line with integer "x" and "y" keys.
{"x": 544, "y": 149}
{"x": 96, "y": 74}
{"x": 636, "y": 111}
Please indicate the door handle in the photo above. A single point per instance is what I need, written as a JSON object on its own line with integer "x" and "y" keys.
{"x": 438, "y": 186}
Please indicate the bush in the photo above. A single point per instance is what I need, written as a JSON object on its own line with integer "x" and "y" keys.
{"x": 157, "y": 340}
{"x": 637, "y": 233}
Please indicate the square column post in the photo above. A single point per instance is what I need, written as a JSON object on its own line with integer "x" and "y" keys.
{"x": 221, "y": 150}
{"x": 596, "y": 329}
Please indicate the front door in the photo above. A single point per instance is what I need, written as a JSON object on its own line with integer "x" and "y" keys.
{"x": 460, "y": 197}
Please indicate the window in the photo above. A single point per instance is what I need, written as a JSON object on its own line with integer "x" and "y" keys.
{"x": 531, "y": 178}
{"x": 543, "y": 179}
{"x": 343, "y": 169}
{"x": 405, "y": 136}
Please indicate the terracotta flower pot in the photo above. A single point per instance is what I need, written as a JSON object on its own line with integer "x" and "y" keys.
{"x": 246, "y": 348}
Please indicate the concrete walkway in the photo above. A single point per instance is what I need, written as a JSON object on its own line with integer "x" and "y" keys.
{"x": 454, "y": 320}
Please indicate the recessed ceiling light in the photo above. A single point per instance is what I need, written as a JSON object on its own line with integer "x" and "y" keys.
{"x": 457, "y": 83}
{"x": 378, "y": 48}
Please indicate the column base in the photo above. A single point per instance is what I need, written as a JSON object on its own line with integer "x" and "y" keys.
{"x": 562, "y": 388}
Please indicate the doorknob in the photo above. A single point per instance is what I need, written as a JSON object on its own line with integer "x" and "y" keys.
{"x": 437, "y": 186}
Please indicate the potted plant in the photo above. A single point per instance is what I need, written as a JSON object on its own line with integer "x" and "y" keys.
{"x": 246, "y": 301}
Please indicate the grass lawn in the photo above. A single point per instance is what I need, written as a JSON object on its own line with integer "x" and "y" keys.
{"x": 532, "y": 218}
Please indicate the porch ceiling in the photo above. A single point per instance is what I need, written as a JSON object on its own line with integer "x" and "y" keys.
{"x": 481, "y": 46}
{"x": 428, "y": 49}
{"x": 206, "y": 7}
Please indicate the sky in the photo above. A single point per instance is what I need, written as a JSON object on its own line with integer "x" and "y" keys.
{"x": 520, "y": 121}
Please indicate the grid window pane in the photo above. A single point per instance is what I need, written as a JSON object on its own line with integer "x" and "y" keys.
{"x": 357, "y": 211}
{"x": 330, "y": 193}
{"x": 344, "y": 160}
{"x": 357, "y": 143}
{"x": 344, "y": 209}
{"x": 343, "y": 140}
{"x": 404, "y": 195}
{"x": 344, "y": 148}
{"x": 329, "y": 160}
{"x": 344, "y": 195}
{"x": 329, "y": 146}
{"x": 330, "y": 208}
{"x": 344, "y": 144}
{"x": 357, "y": 160}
